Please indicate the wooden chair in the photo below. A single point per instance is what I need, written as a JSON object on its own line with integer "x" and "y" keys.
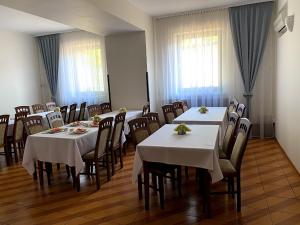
{"x": 72, "y": 113}
{"x": 185, "y": 105}
{"x": 178, "y": 108}
{"x": 105, "y": 107}
{"x": 18, "y": 134}
{"x": 168, "y": 111}
{"x": 231, "y": 168}
{"x": 241, "y": 109}
{"x": 146, "y": 109}
{"x": 19, "y": 109}
{"x": 38, "y": 108}
{"x": 4, "y": 119}
{"x": 233, "y": 104}
{"x": 82, "y": 111}
{"x": 101, "y": 152}
{"x": 94, "y": 110}
{"x": 50, "y": 106}
{"x": 64, "y": 113}
{"x": 225, "y": 151}
{"x": 55, "y": 119}
{"x": 33, "y": 125}
{"x": 153, "y": 121}
{"x": 116, "y": 142}
{"x": 140, "y": 131}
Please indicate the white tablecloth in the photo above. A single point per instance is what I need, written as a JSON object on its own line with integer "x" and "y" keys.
{"x": 59, "y": 148}
{"x": 198, "y": 148}
{"x": 214, "y": 116}
{"x": 131, "y": 114}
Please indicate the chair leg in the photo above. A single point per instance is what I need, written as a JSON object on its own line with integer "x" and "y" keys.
{"x": 161, "y": 192}
{"x": 186, "y": 171}
{"x": 108, "y": 167}
{"x": 146, "y": 186}
{"x": 121, "y": 157}
{"x": 68, "y": 170}
{"x": 179, "y": 180}
{"x": 35, "y": 172}
{"x": 41, "y": 177}
{"x": 48, "y": 171}
{"x": 97, "y": 175}
{"x": 173, "y": 179}
{"x": 112, "y": 162}
{"x": 16, "y": 151}
{"x": 58, "y": 166}
{"x": 140, "y": 189}
{"x": 232, "y": 187}
{"x": 154, "y": 182}
{"x": 238, "y": 184}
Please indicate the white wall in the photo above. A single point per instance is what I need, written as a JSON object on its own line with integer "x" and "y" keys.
{"x": 19, "y": 71}
{"x": 127, "y": 66}
{"x": 287, "y": 87}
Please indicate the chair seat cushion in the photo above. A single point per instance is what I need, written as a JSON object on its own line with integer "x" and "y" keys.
{"x": 222, "y": 154}
{"x": 227, "y": 168}
{"x": 89, "y": 156}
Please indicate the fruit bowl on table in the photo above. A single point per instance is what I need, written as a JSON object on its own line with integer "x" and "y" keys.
{"x": 55, "y": 130}
{"x": 75, "y": 124}
{"x": 79, "y": 131}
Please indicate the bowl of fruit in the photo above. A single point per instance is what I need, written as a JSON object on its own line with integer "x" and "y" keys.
{"x": 203, "y": 109}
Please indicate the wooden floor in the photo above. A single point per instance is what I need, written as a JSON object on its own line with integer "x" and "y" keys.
{"x": 270, "y": 195}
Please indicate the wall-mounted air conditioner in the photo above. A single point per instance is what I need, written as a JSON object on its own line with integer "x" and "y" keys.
{"x": 283, "y": 23}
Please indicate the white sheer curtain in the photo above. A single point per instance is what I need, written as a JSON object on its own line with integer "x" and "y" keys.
{"x": 82, "y": 69}
{"x": 196, "y": 61}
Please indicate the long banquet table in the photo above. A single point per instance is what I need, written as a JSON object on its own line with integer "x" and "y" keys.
{"x": 214, "y": 116}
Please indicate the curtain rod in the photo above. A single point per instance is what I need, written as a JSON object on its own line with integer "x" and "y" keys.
{"x": 213, "y": 9}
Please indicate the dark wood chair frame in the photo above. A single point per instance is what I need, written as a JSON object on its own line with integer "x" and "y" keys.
{"x": 94, "y": 110}
{"x": 177, "y": 106}
{"x": 119, "y": 119}
{"x": 146, "y": 109}
{"x": 105, "y": 107}
{"x": 64, "y": 113}
{"x": 241, "y": 109}
{"x": 37, "y": 108}
{"x": 23, "y": 108}
{"x": 72, "y": 113}
{"x": 152, "y": 117}
{"x": 168, "y": 109}
{"x": 4, "y": 119}
{"x": 82, "y": 111}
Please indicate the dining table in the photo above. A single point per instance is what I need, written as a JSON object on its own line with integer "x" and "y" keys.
{"x": 214, "y": 116}
{"x": 64, "y": 147}
{"x": 197, "y": 148}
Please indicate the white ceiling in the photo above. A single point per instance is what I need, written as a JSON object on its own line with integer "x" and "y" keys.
{"x": 164, "y": 7}
{"x": 15, "y": 20}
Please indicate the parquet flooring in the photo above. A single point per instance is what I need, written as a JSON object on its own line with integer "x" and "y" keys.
{"x": 270, "y": 195}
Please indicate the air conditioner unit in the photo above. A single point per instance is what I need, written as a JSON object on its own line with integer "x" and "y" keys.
{"x": 279, "y": 24}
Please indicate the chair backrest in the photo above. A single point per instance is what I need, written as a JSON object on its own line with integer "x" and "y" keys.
{"x": 233, "y": 104}
{"x": 240, "y": 144}
{"x": 104, "y": 133}
{"x": 241, "y": 109}
{"x": 55, "y": 119}
{"x": 178, "y": 108}
{"x": 50, "y": 106}
{"x": 3, "y": 129}
{"x": 117, "y": 130}
{"x": 146, "y": 109}
{"x": 33, "y": 124}
{"x": 82, "y": 111}
{"x": 94, "y": 110}
{"x": 64, "y": 112}
{"x": 105, "y": 107}
{"x": 23, "y": 108}
{"x": 168, "y": 111}
{"x": 185, "y": 105}
{"x": 229, "y": 134}
{"x": 18, "y": 131}
{"x": 38, "y": 108}
{"x": 72, "y": 113}
{"x": 139, "y": 129}
{"x": 153, "y": 121}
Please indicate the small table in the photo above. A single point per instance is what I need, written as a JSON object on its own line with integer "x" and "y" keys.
{"x": 214, "y": 116}
{"x": 130, "y": 115}
{"x": 198, "y": 148}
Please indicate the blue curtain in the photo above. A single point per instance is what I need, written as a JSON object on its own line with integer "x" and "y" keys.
{"x": 250, "y": 26}
{"x": 49, "y": 47}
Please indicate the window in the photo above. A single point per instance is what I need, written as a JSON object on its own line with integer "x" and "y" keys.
{"x": 199, "y": 61}
{"x": 82, "y": 69}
